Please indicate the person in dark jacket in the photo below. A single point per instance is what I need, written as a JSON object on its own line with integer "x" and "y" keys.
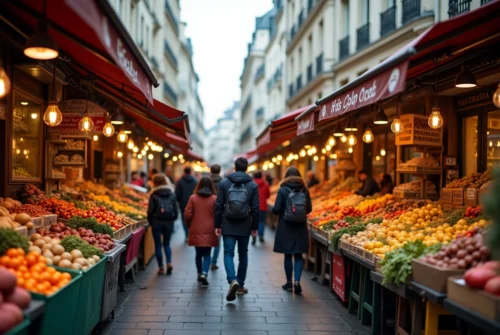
{"x": 386, "y": 185}
{"x": 200, "y": 215}
{"x": 291, "y": 239}
{"x": 237, "y": 230}
{"x": 162, "y": 193}
{"x": 216, "y": 179}
{"x": 183, "y": 190}
{"x": 369, "y": 187}
{"x": 311, "y": 179}
{"x": 264, "y": 194}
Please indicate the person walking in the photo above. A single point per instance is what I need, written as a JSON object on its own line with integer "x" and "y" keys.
{"x": 162, "y": 212}
{"x": 292, "y": 205}
{"x": 216, "y": 179}
{"x": 199, "y": 216}
{"x": 183, "y": 190}
{"x": 236, "y": 218}
{"x": 264, "y": 194}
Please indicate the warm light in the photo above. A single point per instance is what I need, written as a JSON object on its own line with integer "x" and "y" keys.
{"x": 377, "y": 158}
{"x": 350, "y": 150}
{"x": 136, "y": 149}
{"x": 41, "y": 45}
{"x": 122, "y": 137}
{"x": 498, "y": 144}
{"x": 34, "y": 116}
{"x": 108, "y": 130}
{"x": 310, "y": 152}
{"x": 279, "y": 157}
{"x": 295, "y": 156}
{"x": 285, "y": 144}
{"x": 181, "y": 156}
{"x": 24, "y": 103}
{"x": 119, "y": 154}
{"x": 271, "y": 165}
{"x": 343, "y": 139}
{"x": 274, "y": 160}
{"x": 397, "y": 126}
{"x": 382, "y": 152}
{"x": 490, "y": 144}
{"x": 18, "y": 151}
{"x": 150, "y": 157}
{"x": 166, "y": 155}
{"x": 130, "y": 145}
{"x": 95, "y": 138}
{"x": 4, "y": 83}
{"x": 150, "y": 143}
{"x": 328, "y": 147}
{"x": 25, "y": 152}
{"x": 52, "y": 116}
{"x": 302, "y": 153}
{"x": 352, "y": 140}
{"x": 323, "y": 151}
{"x": 146, "y": 148}
{"x": 368, "y": 136}
{"x": 338, "y": 132}
{"x": 496, "y": 96}
{"x": 315, "y": 158}
{"x": 143, "y": 152}
{"x": 331, "y": 141}
{"x": 332, "y": 156}
{"x": 174, "y": 158}
{"x": 139, "y": 156}
{"x": 435, "y": 119}
{"x": 86, "y": 124}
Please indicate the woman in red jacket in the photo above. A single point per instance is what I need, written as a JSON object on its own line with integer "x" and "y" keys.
{"x": 199, "y": 216}
{"x": 264, "y": 194}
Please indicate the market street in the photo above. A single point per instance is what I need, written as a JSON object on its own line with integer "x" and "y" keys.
{"x": 176, "y": 304}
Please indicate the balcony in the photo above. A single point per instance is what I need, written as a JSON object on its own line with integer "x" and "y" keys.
{"x": 484, "y": 2}
{"x": 363, "y": 36}
{"x": 169, "y": 92}
{"x": 309, "y": 73}
{"x": 388, "y": 21}
{"x": 319, "y": 64}
{"x": 344, "y": 47}
{"x": 246, "y": 134}
{"x": 290, "y": 91}
{"x": 310, "y": 4}
{"x": 456, "y": 7}
{"x": 293, "y": 32}
{"x": 247, "y": 104}
{"x": 170, "y": 54}
{"x": 259, "y": 74}
{"x": 170, "y": 15}
{"x": 298, "y": 84}
{"x": 411, "y": 10}
{"x": 300, "y": 19}
{"x": 259, "y": 113}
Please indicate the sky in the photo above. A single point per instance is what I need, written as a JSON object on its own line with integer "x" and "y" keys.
{"x": 220, "y": 31}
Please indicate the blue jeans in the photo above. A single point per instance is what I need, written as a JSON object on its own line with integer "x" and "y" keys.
{"x": 203, "y": 259}
{"x": 186, "y": 229}
{"x": 289, "y": 267}
{"x": 160, "y": 230}
{"x": 229, "y": 246}
{"x": 262, "y": 223}
{"x": 215, "y": 256}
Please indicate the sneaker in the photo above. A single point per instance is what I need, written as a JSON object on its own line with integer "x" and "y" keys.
{"x": 203, "y": 280}
{"x": 233, "y": 288}
{"x": 254, "y": 240}
{"x": 214, "y": 267}
{"x": 169, "y": 268}
{"x": 242, "y": 290}
{"x": 198, "y": 279}
{"x": 288, "y": 287}
{"x": 161, "y": 271}
{"x": 297, "y": 288}
{"x": 261, "y": 240}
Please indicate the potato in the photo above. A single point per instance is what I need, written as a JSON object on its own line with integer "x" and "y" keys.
{"x": 36, "y": 249}
{"x": 56, "y": 259}
{"x": 47, "y": 246}
{"x": 96, "y": 258}
{"x": 64, "y": 263}
{"x": 76, "y": 266}
{"x": 66, "y": 255}
{"x": 20, "y": 297}
{"x": 4, "y": 211}
{"x": 39, "y": 243}
{"x": 76, "y": 253}
{"x": 57, "y": 249}
{"x": 48, "y": 254}
{"x": 35, "y": 237}
{"x": 22, "y": 218}
{"x": 29, "y": 225}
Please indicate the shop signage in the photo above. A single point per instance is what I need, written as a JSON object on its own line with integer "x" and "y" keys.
{"x": 417, "y": 132}
{"x": 305, "y": 125}
{"x": 111, "y": 41}
{"x": 265, "y": 138}
{"x": 73, "y": 111}
{"x": 338, "y": 282}
{"x": 385, "y": 85}
{"x": 473, "y": 99}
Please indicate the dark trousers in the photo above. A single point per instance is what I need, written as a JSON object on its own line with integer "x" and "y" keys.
{"x": 203, "y": 259}
{"x": 159, "y": 231}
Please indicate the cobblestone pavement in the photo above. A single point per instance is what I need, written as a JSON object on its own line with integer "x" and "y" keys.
{"x": 177, "y": 305}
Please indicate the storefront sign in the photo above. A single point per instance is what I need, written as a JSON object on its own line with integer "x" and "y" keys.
{"x": 73, "y": 111}
{"x": 416, "y": 131}
{"x": 474, "y": 99}
{"x": 385, "y": 85}
{"x": 264, "y": 138}
{"x": 338, "y": 282}
{"x": 305, "y": 125}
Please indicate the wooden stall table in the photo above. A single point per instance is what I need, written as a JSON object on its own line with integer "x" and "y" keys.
{"x": 321, "y": 257}
{"x": 472, "y": 322}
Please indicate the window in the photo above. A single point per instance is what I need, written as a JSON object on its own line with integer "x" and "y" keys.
{"x": 345, "y": 10}
{"x": 365, "y": 11}
{"x": 321, "y": 35}
{"x": 493, "y": 139}
{"x": 310, "y": 49}
{"x": 300, "y": 61}
{"x": 384, "y": 155}
{"x": 141, "y": 32}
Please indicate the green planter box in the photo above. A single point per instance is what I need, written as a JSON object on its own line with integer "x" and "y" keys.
{"x": 61, "y": 308}
{"x": 20, "y": 329}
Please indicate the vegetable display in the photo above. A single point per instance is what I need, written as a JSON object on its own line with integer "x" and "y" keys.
{"x": 12, "y": 300}
{"x": 60, "y": 230}
{"x": 11, "y": 239}
{"x": 73, "y": 242}
{"x": 89, "y": 223}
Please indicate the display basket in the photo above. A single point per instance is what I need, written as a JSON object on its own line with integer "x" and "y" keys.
{"x": 110, "y": 292}
{"x": 49, "y": 219}
{"x": 432, "y": 276}
{"x": 370, "y": 257}
{"x": 37, "y": 222}
{"x": 22, "y": 230}
{"x": 62, "y": 307}
{"x": 121, "y": 233}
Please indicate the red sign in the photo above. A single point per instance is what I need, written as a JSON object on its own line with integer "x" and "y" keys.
{"x": 264, "y": 138}
{"x": 111, "y": 41}
{"x": 338, "y": 282}
{"x": 73, "y": 111}
{"x": 305, "y": 125}
{"x": 383, "y": 86}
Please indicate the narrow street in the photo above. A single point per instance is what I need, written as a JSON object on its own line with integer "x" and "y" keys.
{"x": 177, "y": 305}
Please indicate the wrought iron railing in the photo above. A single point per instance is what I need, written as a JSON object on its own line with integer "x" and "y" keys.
{"x": 344, "y": 47}
{"x": 388, "y": 20}
{"x": 411, "y": 10}
{"x": 363, "y": 36}
{"x": 456, "y": 7}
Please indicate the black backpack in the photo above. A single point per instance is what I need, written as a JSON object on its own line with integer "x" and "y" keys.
{"x": 167, "y": 208}
{"x": 237, "y": 207}
{"x": 295, "y": 209}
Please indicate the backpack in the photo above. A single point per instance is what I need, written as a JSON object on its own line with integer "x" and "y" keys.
{"x": 237, "y": 207}
{"x": 295, "y": 209}
{"x": 167, "y": 208}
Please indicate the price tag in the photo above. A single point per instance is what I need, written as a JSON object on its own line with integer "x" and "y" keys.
{"x": 471, "y": 194}
{"x": 451, "y": 161}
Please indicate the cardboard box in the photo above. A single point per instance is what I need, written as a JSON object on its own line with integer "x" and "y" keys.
{"x": 479, "y": 301}
{"x": 458, "y": 196}
{"x": 432, "y": 276}
{"x": 402, "y": 194}
{"x": 471, "y": 196}
{"x": 446, "y": 195}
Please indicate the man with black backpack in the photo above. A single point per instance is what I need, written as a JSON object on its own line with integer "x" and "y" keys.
{"x": 237, "y": 214}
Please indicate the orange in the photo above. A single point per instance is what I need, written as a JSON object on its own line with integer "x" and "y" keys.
{"x": 55, "y": 278}
{"x": 22, "y": 268}
{"x": 21, "y": 282}
{"x": 51, "y": 270}
{"x": 12, "y": 252}
{"x": 5, "y": 261}
{"x": 40, "y": 287}
{"x": 66, "y": 275}
{"x": 31, "y": 259}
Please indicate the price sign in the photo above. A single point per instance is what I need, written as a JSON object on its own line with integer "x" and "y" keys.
{"x": 416, "y": 131}
{"x": 339, "y": 277}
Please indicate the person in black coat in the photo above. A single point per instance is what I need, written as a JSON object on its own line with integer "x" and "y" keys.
{"x": 291, "y": 239}
{"x": 235, "y": 231}
{"x": 216, "y": 179}
{"x": 370, "y": 186}
{"x": 183, "y": 190}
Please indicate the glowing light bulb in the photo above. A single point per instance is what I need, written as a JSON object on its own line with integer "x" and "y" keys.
{"x": 139, "y": 156}
{"x": 352, "y": 140}
{"x": 397, "y": 126}
{"x": 52, "y": 116}
{"x": 150, "y": 143}
{"x": 323, "y": 151}
{"x": 34, "y": 116}
{"x": 136, "y": 149}
{"x": 302, "y": 153}
{"x": 343, "y": 139}
{"x": 350, "y": 150}
{"x": 108, "y": 130}
{"x": 332, "y": 141}
{"x": 382, "y": 152}
{"x": 122, "y": 137}
{"x": 496, "y": 97}
{"x": 368, "y": 136}
{"x": 271, "y": 165}
{"x": 95, "y": 138}
{"x": 166, "y": 155}
{"x": 332, "y": 156}
{"x": 295, "y": 156}
{"x": 435, "y": 119}
{"x": 130, "y": 145}
{"x": 174, "y": 158}
{"x": 4, "y": 83}
{"x": 315, "y": 158}
{"x": 490, "y": 144}
{"x": 274, "y": 160}
{"x": 328, "y": 147}
{"x": 86, "y": 124}
{"x": 143, "y": 152}
{"x": 119, "y": 154}
{"x": 377, "y": 158}
{"x": 279, "y": 157}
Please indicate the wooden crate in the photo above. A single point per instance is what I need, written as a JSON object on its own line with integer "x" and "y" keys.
{"x": 49, "y": 219}
{"x": 403, "y": 194}
{"x": 446, "y": 195}
{"x": 458, "y": 196}
{"x": 37, "y": 222}
{"x": 432, "y": 276}
{"x": 471, "y": 196}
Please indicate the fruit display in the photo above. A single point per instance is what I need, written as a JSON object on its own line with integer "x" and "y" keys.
{"x": 33, "y": 273}
{"x": 476, "y": 180}
{"x": 370, "y": 205}
{"x": 118, "y": 207}
{"x": 11, "y": 239}
{"x": 13, "y": 300}
{"x": 13, "y": 220}
{"x": 9, "y": 203}
{"x": 472, "y": 212}
{"x": 424, "y": 162}
{"x": 32, "y": 194}
{"x": 414, "y": 186}
{"x": 34, "y": 211}
{"x": 484, "y": 277}
{"x": 20, "y": 172}
{"x": 74, "y": 144}
{"x": 61, "y": 158}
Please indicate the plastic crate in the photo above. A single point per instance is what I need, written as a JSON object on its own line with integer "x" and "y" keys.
{"x": 61, "y": 308}
{"x": 110, "y": 292}
{"x": 20, "y": 329}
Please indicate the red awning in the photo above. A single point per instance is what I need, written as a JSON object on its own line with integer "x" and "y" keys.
{"x": 190, "y": 155}
{"x": 162, "y": 110}
{"x": 161, "y": 135}
{"x": 440, "y": 42}
{"x": 91, "y": 34}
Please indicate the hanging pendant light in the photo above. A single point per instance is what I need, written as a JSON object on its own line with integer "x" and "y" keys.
{"x": 381, "y": 118}
{"x": 435, "y": 119}
{"x": 41, "y": 45}
{"x": 118, "y": 118}
{"x": 130, "y": 145}
{"x": 108, "y": 130}
{"x": 465, "y": 79}
{"x": 127, "y": 129}
{"x": 496, "y": 97}
{"x": 343, "y": 139}
{"x": 4, "y": 83}
{"x": 350, "y": 126}
{"x": 119, "y": 154}
{"x": 332, "y": 141}
{"x": 122, "y": 137}
{"x": 338, "y": 131}
{"x": 396, "y": 125}
{"x": 368, "y": 136}
{"x": 352, "y": 140}
{"x": 350, "y": 150}
{"x": 86, "y": 124}
{"x": 53, "y": 116}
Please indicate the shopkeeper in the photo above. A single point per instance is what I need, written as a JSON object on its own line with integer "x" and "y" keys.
{"x": 370, "y": 186}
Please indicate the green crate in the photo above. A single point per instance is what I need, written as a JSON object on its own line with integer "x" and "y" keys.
{"x": 61, "y": 308}
{"x": 20, "y": 329}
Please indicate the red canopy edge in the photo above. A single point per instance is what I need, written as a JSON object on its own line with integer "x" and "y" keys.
{"x": 193, "y": 156}
{"x": 160, "y": 134}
